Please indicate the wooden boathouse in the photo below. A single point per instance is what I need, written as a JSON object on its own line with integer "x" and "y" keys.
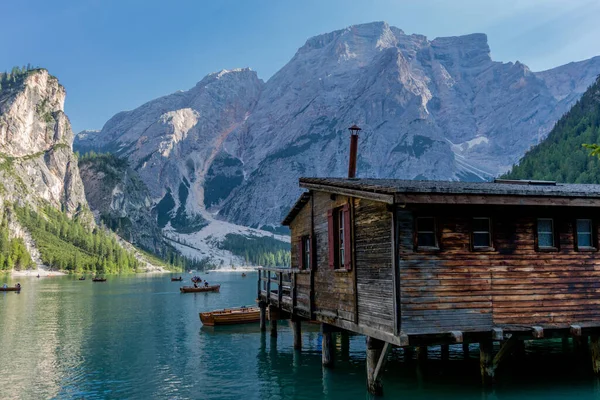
{"x": 420, "y": 263}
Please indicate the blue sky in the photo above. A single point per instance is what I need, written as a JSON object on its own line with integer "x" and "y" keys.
{"x": 116, "y": 55}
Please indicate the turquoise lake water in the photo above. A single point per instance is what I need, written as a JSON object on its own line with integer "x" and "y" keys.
{"x": 137, "y": 337}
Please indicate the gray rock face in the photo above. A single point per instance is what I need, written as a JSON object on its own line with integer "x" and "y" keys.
{"x": 36, "y": 159}
{"x": 429, "y": 109}
{"x": 172, "y": 141}
{"x": 121, "y": 200}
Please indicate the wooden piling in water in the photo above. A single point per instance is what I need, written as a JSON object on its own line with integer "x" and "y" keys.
{"x": 422, "y": 353}
{"x": 465, "y": 348}
{"x": 445, "y": 352}
{"x": 595, "y": 353}
{"x": 273, "y": 323}
{"x": 297, "y": 333}
{"x": 486, "y": 359}
{"x": 327, "y": 347}
{"x": 263, "y": 316}
{"x": 376, "y": 359}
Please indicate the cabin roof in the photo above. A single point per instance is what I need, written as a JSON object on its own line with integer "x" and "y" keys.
{"x": 499, "y": 187}
{"x": 304, "y": 198}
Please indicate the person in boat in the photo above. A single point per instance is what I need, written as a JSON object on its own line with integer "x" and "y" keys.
{"x": 18, "y": 285}
{"x": 5, "y": 286}
{"x": 38, "y": 275}
{"x": 205, "y": 284}
{"x": 195, "y": 285}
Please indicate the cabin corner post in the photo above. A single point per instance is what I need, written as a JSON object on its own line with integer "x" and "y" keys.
{"x": 376, "y": 358}
{"x": 327, "y": 346}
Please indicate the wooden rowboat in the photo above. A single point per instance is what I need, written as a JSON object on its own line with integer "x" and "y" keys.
{"x": 176, "y": 279}
{"x": 231, "y": 316}
{"x": 10, "y": 289}
{"x": 98, "y": 279}
{"x": 191, "y": 289}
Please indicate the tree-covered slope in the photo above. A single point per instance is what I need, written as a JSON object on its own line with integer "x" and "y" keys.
{"x": 561, "y": 156}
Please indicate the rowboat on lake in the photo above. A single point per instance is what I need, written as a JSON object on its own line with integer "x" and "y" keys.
{"x": 10, "y": 289}
{"x": 98, "y": 279}
{"x": 191, "y": 289}
{"x": 176, "y": 279}
{"x": 82, "y": 278}
{"x": 243, "y": 274}
{"x": 231, "y": 316}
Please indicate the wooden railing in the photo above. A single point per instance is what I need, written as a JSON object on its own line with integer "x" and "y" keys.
{"x": 276, "y": 285}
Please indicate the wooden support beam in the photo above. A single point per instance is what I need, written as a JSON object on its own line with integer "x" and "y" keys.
{"x": 465, "y": 347}
{"x": 595, "y": 353}
{"x": 327, "y": 347}
{"x": 273, "y": 323}
{"x": 486, "y": 361}
{"x": 537, "y": 332}
{"x": 297, "y": 333}
{"x": 376, "y": 358}
{"x": 505, "y": 350}
{"x": 263, "y": 316}
{"x": 409, "y": 352}
{"x": 497, "y": 334}
{"x": 445, "y": 352}
{"x": 345, "y": 344}
{"x": 457, "y": 336}
{"x": 422, "y": 353}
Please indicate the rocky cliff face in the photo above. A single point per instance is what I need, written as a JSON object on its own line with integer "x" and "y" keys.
{"x": 429, "y": 109}
{"x": 121, "y": 200}
{"x": 36, "y": 158}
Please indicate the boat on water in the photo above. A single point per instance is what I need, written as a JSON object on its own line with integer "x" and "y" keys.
{"x": 82, "y": 278}
{"x": 243, "y": 274}
{"x": 191, "y": 289}
{"x": 10, "y": 289}
{"x": 231, "y": 316}
{"x": 98, "y": 279}
{"x": 177, "y": 279}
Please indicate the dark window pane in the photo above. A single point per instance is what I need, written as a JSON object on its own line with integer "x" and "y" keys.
{"x": 545, "y": 240}
{"x": 481, "y": 224}
{"x": 544, "y": 226}
{"x": 584, "y": 226}
{"x": 584, "y": 240}
{"x": 481, "y": 240}
{"x": 426, "y": 239}
{"x": 425, "y": 224}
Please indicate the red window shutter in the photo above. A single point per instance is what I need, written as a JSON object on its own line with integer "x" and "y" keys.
{"x": 347, "y": 238}
{"x": 300, "y": 255}
{"x": 331, "y": 237}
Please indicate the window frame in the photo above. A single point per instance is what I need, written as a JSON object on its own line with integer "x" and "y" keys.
{"x": 553, "y": 231}
{"x": 436, "y": 246}
{"x": 340, "y": 231}
{"x": 593, "y": 236}
{"x": 340, "y": 238}
{"x": 490, "y": 246}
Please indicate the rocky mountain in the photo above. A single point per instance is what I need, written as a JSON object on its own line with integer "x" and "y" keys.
{"x": 36, "y": 158}
{"x": 562, "y": 156}
{"x": 429, "y": 109}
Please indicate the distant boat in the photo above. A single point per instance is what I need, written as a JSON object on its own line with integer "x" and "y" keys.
{"x": 191, "y": 289}
{"x": 82, "y": 278}
{"x": 10, "y": 289}
{"x": 243, "y": 274}
{"x": 176, "y": 279}
{"x": 231, "y": 316}
{"x": 98, "y": 279}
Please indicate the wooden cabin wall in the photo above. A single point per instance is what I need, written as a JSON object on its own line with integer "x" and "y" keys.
{"x": 334, "y": 289}
{"x": 299, "y": 227}
{"x": 373, "y": 263}
{"x": 456, "y": 288}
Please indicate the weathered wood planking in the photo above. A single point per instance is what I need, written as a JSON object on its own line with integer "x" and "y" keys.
{"x": 457, "y": 288}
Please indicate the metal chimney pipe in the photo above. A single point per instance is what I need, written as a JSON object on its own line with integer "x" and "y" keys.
{"x": 353, "y": 150}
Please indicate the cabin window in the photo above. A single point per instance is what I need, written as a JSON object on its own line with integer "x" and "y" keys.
{"x": 482, "y": 233}
{"x": 585, "y": 234}
{"x": 305, "y": 252}
{"x": 426, "y": 237}
{"x": 339, "y": 229}
{"x": 545, "y": 233}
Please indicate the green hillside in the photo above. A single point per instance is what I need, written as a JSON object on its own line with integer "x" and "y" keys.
{"x": 561, "y": 156}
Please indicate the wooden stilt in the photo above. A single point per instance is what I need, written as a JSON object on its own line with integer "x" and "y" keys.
{"x": 565, "y": 345}
{"x": 345, "y": 343}
{"x": 465, "y": 347}
{"x": 445, "y": 352}
{"x": 263, "y": 316}
{"x": 273, "y": 328}
{"x": 327, "y": 347}
{"x": 409, "y": 352}
{"x": 422, "y": 353}
{"x": 376, "y": 358}
{"x": 486, "y": 360}
{"x": 297, "y": 332}
{"x": 595, "y": 353}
